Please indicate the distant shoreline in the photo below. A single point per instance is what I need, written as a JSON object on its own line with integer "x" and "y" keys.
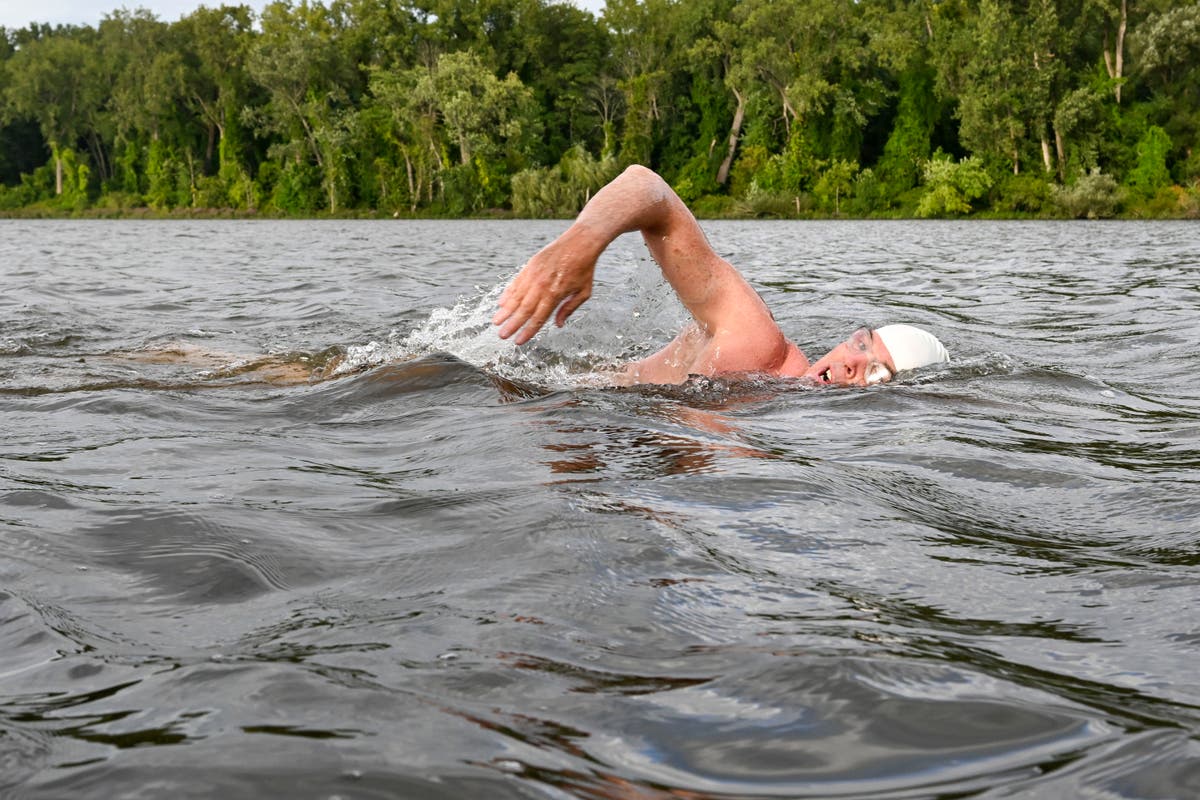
{"x": 180, "y": 214}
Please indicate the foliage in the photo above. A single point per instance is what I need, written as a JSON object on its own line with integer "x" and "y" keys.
{"x": 835, "y": 184}
{"x": 869, "y": 195}
{"x": 1093, "y": 196}
{"x": 909, "y": 143}
{"x": 562, "y": 190}
{"x": 950, "y": 187}
{"x": 757, "y": 107}
{"x": 760, "y": 202}
{"x": 1023, "y": 194}
{"x": 1151, "y": 172}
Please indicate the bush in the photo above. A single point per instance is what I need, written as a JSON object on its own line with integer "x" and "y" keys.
{"x": 752, "y": 162}
{"x": 696, "y": 179}
{"x": 870, "y": 195}
{"x": 297, "y": 188}
{"x": 1151, "y": 173}
{"x": 168, "y": 183}
{"x": 1169, "y": 202}
{"x": 34, "y": 188}
{"x": 1189, "y": 169}
{"x": 541, "y": 193}
{"x": 1018, "y": 194}
{"x": 562, "y": 190}
{"x": 951, "y": 187}
{"x": 76, "y": 177}
{"x": 1093, "y": 196}
{"x": 713, "y": 206}
{"x": 1189, "y": 202}
{"x": 762, "y": 203}
{"x": 836, "y": 184}
{"x": 118, "y": 201}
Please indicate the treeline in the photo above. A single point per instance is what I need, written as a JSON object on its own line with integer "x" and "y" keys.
{"x": 1064, "y": 108}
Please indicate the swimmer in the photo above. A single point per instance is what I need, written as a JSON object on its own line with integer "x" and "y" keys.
{"x": 732, "y": 330}
{"x": 230, "y": 369}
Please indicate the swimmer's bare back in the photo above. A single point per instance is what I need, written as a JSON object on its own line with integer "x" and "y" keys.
{"x": 230, "y": 368}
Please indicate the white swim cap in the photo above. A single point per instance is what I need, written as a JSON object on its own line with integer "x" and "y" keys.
{"x": 912, "y": 347}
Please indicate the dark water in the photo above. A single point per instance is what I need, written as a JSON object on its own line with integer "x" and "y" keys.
{"x": 462, "y": 571}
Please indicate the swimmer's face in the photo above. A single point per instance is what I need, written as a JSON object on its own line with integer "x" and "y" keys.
{"x": 860, "y": 360}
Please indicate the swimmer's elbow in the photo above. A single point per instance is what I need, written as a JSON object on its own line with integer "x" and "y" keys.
{"x": 649, "y": 180}
{"x": 640, "y": 172}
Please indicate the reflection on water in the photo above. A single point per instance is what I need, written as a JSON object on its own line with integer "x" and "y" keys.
{"x": 461, "y": 570}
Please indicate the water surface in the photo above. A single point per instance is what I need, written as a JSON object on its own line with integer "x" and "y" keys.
{"x": 462, "y": 570}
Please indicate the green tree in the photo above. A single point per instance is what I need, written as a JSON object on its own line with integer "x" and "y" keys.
{"x": 994, "y": 105}
{"x": 562, "y": 190}
{"x": 1166, "y": 53}
{"x": 215, "y": 44}
{"x": 717, "y": 52}
{"x": 52, "y": 80}
{"x": 492, "y": 124}
{"x": 141, "y": 120}
{"x": 836, "y": 182}
{"x": 811, "y": 62}
{"x": 480, "y": 111}
{"x": 951, "y": 187}
{"x": 643, "y": 49}
{"x": 1151, "y": 173}
{"x": 911, "y": 138}
{"x": 564, "y": 53}
{"x": 298, "y": 59}
{"x": 411, "y": 130}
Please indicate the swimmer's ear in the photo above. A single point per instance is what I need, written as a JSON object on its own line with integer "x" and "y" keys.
{"x": 878, "y": 373}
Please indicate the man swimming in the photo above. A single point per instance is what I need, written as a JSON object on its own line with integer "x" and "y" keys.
{"x": 732, "y": 330}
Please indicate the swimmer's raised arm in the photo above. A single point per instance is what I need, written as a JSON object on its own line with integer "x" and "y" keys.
{"x": 560, "y": 275}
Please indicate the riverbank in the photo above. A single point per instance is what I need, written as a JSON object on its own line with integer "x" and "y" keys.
{"x": 1187, "y": 208}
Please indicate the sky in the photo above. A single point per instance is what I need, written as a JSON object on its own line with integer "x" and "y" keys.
{"x": 19, "y": 13}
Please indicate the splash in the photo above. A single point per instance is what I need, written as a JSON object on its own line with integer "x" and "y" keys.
{"x": 627, "y": 319}
{"x": 464, "y": 330}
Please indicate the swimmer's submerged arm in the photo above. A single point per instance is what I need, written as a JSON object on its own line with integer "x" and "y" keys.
{"x": 560, "y": 275}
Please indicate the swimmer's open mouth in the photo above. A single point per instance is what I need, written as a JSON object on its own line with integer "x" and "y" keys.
{"x": 825, "y": 376}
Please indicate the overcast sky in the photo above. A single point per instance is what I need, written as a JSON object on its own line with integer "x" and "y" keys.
{"x": 19, "y": 13}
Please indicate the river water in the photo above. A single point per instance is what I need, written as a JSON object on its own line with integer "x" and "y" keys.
{"x": 459, "y": 570}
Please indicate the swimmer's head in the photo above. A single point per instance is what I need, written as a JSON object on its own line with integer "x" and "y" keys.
{"x": 911, "y": 347}
{"x": 875, "y": 356}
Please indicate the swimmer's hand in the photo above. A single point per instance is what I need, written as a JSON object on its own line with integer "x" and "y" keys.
{"x": 558, "y": 277}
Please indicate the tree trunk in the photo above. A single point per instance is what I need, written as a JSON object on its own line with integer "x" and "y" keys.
{"x": 212, "y": 143}
{"x": 788, "y": 108}
{"x": 1115, "y": 62}
{"x": 58, "y": 175}
{"x": 1046, "y": 157}
{"x": 734, "y": 131}
{"x": 412, "y": 187}
{"x": 191, "y": 165}
{"x": 1062, "y": 158}
{"x": 97, "y": 148}
{"x": 435, "y": 173}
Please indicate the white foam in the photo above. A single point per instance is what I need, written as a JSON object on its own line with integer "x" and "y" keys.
{"x": 622, "y": 321}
